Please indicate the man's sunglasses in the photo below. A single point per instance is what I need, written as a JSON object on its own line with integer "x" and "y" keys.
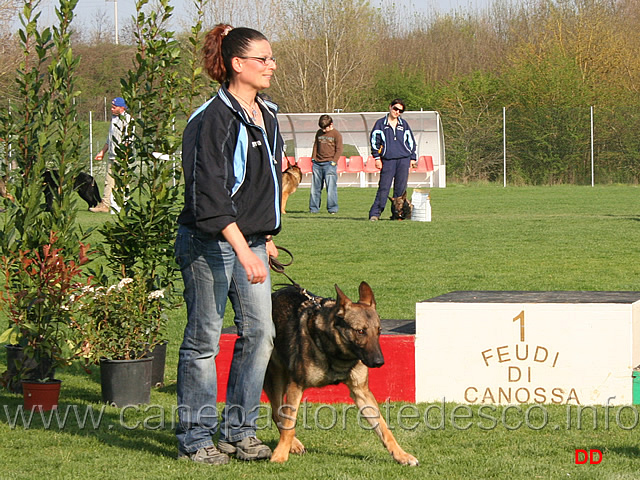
{"x": 400, "y": 110}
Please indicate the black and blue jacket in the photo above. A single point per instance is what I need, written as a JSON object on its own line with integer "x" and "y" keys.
{"x": 392, "y": 143}
{"x": 232, "y": 168}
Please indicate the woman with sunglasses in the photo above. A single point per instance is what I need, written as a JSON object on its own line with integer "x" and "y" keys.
{"x": 231, "y": 155}
{"x": 393, "y": 148}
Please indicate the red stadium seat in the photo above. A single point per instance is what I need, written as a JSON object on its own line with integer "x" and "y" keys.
{"x": 370, "y": 166}
{"x": 305, "y": 164}
{"x": 342, "y": 164}
{"x": 425, "y": 164}
{"x": 429, "y": 160}
{"x": 355, "y": 164}
{"x": 291, "y": 160}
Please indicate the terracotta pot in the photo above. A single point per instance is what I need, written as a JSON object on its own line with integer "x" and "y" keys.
{"x": 42, "y": 395}
{"x": 15, "y": 357}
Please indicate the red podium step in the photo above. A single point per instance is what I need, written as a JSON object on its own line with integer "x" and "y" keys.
{"x": 394, "y": 381}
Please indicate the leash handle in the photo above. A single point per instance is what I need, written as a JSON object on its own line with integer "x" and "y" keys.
{"x": 278, "y": 266}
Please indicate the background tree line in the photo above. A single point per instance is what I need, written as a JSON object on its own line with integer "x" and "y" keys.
{"x": 546, "y": 61}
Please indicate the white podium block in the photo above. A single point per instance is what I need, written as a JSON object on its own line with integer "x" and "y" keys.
{"x": 484, "y": 347}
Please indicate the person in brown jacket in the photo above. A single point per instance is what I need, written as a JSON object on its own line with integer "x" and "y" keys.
{"x": 327, "y": 149}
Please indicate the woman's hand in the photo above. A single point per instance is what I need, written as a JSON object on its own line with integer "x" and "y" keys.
{"x": 272, "y": 251}
{"x": 256, "y": 270}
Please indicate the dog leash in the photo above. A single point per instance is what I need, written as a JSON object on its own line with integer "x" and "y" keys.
{"x": 278, "y": 267}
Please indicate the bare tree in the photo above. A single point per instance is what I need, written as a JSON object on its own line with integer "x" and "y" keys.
{"x": 239, "y": 13}
{"x": 8, "y": 13}
{"x": 101, "y": 28}
{"x": 9, "y": 47}
{"x": 326, "y": 51}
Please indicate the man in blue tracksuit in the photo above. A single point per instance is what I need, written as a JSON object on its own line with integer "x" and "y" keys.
{"x": 394, "y": 150}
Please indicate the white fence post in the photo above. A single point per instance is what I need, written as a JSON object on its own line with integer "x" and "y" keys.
{"x": 91, "y": 143}
{"x": 592, "y": 159}
{"x": 504, "y": 146}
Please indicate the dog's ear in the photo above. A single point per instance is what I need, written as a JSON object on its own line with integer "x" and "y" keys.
{"x": 404, "y": 195}
{"x": 343, "y": 301}
{"x": 366, "y": 295}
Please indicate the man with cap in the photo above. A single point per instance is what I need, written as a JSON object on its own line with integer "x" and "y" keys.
{"x": 119, "y": 122}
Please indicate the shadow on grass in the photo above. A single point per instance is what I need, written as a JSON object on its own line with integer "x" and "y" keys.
{"x": 108, "y": 425}
{"x": 169, "y": 388}
{"x": 300, "y": 215}
{"x": 633, "y": 218}
{"x": 147, "y": 428}
{"x": 630, "y": 452}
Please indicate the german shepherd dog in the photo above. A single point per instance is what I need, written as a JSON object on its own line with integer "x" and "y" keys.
{"x": 400, "y": 207}
{"x": 321, "y": 341}
{"x": 291, "y": 178}
{"x": 84, "y": 184}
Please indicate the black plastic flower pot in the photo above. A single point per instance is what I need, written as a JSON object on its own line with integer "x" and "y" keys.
{"x": 126, "y": 382}
{"x": 159, "y": 354}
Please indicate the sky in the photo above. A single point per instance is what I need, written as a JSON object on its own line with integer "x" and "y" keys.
{"x": 88, "y": 11}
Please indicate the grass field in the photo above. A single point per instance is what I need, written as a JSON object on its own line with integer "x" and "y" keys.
{"x": 482, "y": 237}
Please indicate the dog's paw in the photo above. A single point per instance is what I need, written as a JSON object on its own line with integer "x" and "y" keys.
{"x": 279, "y": 455}
{"x": 297, "y": 447}
{"x": 405, "y": 458}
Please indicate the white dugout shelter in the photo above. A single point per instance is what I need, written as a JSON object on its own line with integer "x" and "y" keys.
{"x": 299, "y": 129}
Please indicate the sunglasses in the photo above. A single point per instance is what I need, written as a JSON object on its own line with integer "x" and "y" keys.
{"x": 400, "y": 110}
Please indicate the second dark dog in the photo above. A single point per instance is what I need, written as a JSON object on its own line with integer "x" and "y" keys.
{"x": 291, "y": 178}
{"x": 319, "y": 342}
{"x": 401, "y": 208}
{"x": 84, "y": 184}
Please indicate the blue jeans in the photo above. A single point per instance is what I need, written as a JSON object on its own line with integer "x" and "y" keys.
{"x": 324, "y": 172}
{"x": 211, "y": 274}
{"x": 396, "y": 171}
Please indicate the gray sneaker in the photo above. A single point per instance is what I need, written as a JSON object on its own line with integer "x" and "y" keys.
{"x": 210, "y": 455}
{"x": 249, "y": 448}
